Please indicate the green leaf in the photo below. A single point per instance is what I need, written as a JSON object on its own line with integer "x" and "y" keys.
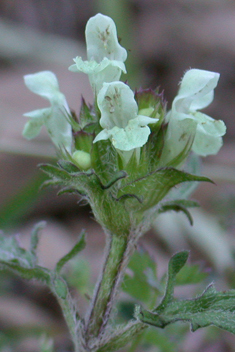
{"x": 21, "y": 261}
{"x": 86, "y": 116}
{"x": 39, "y": 273}
{"x": 176, "y": 263}
{"x": 179, "y": 205}
{"x": 35, "y": 238}
{"x": 73, "y": 179}
{"x": 210, "y": 308}
{"x": 157, "y": 184}
{"x": 55, "y": 172}
{"x": 79, "y": 246}
{"x": 68, "y": 166}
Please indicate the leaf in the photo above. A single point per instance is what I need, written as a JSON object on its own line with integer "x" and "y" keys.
{"x": 210, "y": 308}
{"x": 21, "y": 261}
{"x": 35, "y": 238}
{"x": 68, "y": 166}
{"x": 55, "y": 172}
{"x": 79, "y": 246}
{"x": 176, "y": 263}
{"x": 39, "y": 273}
{"x": 157, "y": 184}
{"x": 73, "y": 179}
{"x": 179, "y": 205}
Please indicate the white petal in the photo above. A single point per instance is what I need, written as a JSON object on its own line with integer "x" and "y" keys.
{"x": 40, "y": 114}
{"x": 104, "y": 71}
{"x": 195, "y": 85}
{"x": 131, "y": 137}
{"x": 209, "y": 126}
{"x": 102, "y": 41}
{"x": 43, "y": 83}
{"x": 103, "y": 135}
{"x": 59, "y": 128}
{"x": 179, "y": 137}
{"x": 33, "y": 127}
{"x": 54, "y": 118}
{"x": 117, "y": 105}
{"x": 145, "y": 120}
{"x": 205, "y": 144}
{"x": 202, "y": 102}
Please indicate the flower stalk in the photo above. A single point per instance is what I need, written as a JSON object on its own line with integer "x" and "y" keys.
{"x": 119, "y": 249}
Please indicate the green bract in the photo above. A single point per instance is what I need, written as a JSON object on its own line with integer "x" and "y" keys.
{"x": 196, "y": 92}
{"x": 54, "y": 118}
{"x": 119, "y": 118}
{"x": 105, "y": 55}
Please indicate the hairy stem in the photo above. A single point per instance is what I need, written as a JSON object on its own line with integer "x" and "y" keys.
{"x": 119, "y": 251}
{"x": 71, "y": 318}
{"x": 123, "y": 336}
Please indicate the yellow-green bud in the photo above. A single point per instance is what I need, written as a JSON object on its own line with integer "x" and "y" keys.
{"x": 82, "y": 159}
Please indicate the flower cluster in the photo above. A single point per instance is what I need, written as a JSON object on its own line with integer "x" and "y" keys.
{"x": 127, "y": 141}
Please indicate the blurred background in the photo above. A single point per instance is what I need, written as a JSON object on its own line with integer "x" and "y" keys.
{"x": 163, "y": 39}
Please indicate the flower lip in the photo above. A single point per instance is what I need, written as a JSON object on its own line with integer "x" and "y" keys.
{"x": 119, "y": 117}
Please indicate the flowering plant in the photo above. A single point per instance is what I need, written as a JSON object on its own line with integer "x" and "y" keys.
{"x": 124, "y": 155}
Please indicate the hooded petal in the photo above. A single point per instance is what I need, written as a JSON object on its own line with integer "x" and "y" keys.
{"x": 43, "y": 83}
{"x": 117, "y": 105}
{"x": 196, "y": 90}
{"x": 102, "y": 41}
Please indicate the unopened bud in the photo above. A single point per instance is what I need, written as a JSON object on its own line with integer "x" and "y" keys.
{"x": 82, "y": 159}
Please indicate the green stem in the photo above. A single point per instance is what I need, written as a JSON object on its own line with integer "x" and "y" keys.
{"x": 71, "y": 318}
{"x": 123, "y": 336}
{"x": 119, "y": 250}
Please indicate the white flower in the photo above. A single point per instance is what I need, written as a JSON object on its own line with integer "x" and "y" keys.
{"x": 197, "y": 92}
{"x": 119, "y": 118}
{"x": 105, "y": 55}
{"x": 54, "y": 118}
